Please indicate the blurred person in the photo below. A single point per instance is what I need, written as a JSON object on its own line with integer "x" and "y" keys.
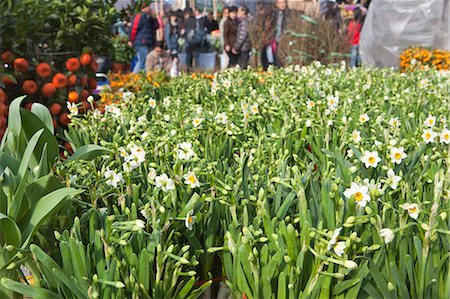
{"x": 230, "y": 31}
{"x": 142, "y": 36}
{"x": 210, "y": 23}
{"x": 224, "y": 18}
{"x": 276, "y": 24}
{"x": 158, "y": 59}
{"x": 353, "y": 34}
{"x": 333, "y": 15}
{"x": 172, "y": 33}
{"x": 242, "y": 45}
{"x": 195, "y": 35}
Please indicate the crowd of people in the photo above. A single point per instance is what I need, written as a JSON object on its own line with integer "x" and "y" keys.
{"x": 158, "y": 41}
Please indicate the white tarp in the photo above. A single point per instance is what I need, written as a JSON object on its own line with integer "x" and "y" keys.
{"x": 391, "y": 26}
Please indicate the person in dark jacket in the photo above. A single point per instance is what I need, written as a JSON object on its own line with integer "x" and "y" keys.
{"x": 171, "y": 34}
{"x": 243, "y": 44}
{"x": 229, "y": 36}
{"x": 194, "y": 34}
{"x": 142, "y": 36}
{"x": 211, "y": 23}
{"x": 274, "y": 28}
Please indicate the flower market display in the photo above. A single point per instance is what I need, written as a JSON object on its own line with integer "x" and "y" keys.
{"x": 418, "y": 58}
{"x": 302, "y": 182}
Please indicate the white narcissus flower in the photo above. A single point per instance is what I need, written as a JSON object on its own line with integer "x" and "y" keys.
{"x": 445, "y": 136}
{"x": 123, "y": 152}
{"x": 338, "y": 247}
{"x": 166, "y": 102}
{"x": 184, "y": 151}
{"x": 363, "y": 118}
{"x": 359, "y": 192}
{"x": 397, "y": 154}
{"x": 221, "y": 118}
{"x": 137, "y": 154}
{"x": 164, "y": 183}
{"x": 254, "y": 109}
{"x": 113, "y": 178}
{"x": 310, "y": 104}
{"x": 308, "y": 123}
{"x": 394, "y": 179}
{"x": 370, "y": 159}
{"x": 151, "y": 175}
{"x": 430, "y": 121}
{"x": 387, "y": 234}
{"x": 127, "y": 167}
{"x": 190, "y": 220}
{"x": 73, "y": 109}
{"x": 356, "y": 136}
{"x": 412, "y": 208}
{"x": 428, "y": 135}
{"x": 394, "y": 122}
{"x": 196, "y": 122}
{"x": 152, "y": 103}
{"x": 71, "y": 181}
{"x": 191, "y": 180}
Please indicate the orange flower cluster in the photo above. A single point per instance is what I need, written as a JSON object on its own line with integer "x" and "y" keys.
{"x": 126, "y": 81}
{"x": 419, "y": 58}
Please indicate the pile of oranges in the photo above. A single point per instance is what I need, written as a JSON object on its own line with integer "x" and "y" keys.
{"x": 419, "y": 58}
{"x": 42, "y": 82}
{"x": 3, "y": 112}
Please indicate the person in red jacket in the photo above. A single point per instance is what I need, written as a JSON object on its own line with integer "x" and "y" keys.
{"x": 142, "y": 36}
{"x": 353, "y": 33}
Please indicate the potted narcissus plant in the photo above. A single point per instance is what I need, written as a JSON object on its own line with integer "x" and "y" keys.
{"x": 122, "y": 54}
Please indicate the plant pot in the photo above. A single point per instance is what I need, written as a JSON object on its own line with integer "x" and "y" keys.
{"x": 118, "y": 67}
{"x": 207, "y": 61}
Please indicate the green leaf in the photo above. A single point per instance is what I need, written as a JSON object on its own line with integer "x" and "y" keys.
{"x": 44, "y": 208}
{"x": 8, "y": 161}
{"x": 344, "y": 285}
{"x": 9, "y": 232}
{"x": 30, "y": 149}
{"x": 308, "y": 19}
{"x": 89, "y": 152}
{"x": 44, "y": 115}
{"x": 14, "y": 118}
{"x": 27, "y": 290}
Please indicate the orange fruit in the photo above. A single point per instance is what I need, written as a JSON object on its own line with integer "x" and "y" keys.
{"x": 3, "y": 96}
{"x": 21, "y": 64}
{"x": 7, "y": 80}
{"x": 29, "y": 87}
{"x": 64, "y": 119}
{"x": 73, "y": 97}
{"x": 68, "y": 147}
{"x": 85, "y": 59}
{"x": 83, "y": 81}
{"x": 92, "y": 83}
{"x": 55, "y": 109}
{"x": 84, "y": 94}
{"x": 2, "y": 122}
{"x": 72, "y": 64}
{"x": 94, "y": 66}
{"x": 59, "y": 80}
{"x": 7, "y": 56}
{"x": 3, "y": 109}
{"x": 72, "y": 80}
{"x": 48, "y": 90}
{"x": 43, "y": 70}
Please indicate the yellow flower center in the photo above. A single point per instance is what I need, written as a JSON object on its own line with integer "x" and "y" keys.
{"x": 446, "y": 136}
{"x": 412, "y": 210}
{"x": 427, "y": 135}
{"x": 191, "y": 179}
{"x": 358, "y": 196}
{"x": 371, "y": 160}
{"x": 397, "y": 156}
{"x": 190, "y": 219}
